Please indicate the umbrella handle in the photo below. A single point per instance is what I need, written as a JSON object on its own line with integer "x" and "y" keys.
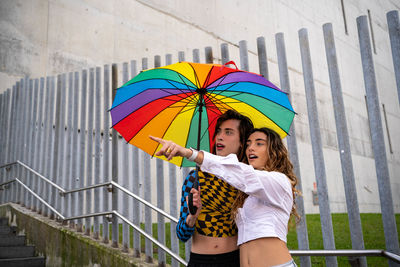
{"x": 193, "y": 209}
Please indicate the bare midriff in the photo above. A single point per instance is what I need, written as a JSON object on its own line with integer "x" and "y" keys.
{"x": 202, "y": 244}
{"x": 262, "y": 252}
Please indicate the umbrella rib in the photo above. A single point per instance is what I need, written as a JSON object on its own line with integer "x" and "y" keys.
{"x": 195, "y": 76}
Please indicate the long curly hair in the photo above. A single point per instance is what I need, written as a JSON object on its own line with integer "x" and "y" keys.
{"x": 278, "y": 160}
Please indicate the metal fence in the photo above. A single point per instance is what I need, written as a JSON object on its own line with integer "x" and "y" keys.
{"x": 60, "y": 158}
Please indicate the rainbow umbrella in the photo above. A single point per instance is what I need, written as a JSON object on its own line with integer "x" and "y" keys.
{"x": 181, "y": 102}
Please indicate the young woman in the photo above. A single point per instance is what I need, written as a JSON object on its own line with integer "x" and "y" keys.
{"x": 263, "y": 209}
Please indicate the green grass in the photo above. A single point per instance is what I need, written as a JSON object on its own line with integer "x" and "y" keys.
{"x": 372, "y": 232}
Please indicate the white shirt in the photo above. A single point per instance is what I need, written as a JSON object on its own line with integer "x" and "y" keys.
{"x": 266, "y": 210}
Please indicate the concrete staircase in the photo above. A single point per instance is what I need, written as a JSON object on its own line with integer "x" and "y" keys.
{"x": 13, "y": 250}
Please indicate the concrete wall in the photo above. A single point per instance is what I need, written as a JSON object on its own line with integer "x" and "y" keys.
{"x": 39, "y": 38}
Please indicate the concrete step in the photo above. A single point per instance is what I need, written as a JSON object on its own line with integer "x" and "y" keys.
{"x": 3, "y": 221}
{"x": 12, "y": 240}
{"x": 17, "y": 252}
{"x": 5, "y": 229}
{"x": 22, "y": 262}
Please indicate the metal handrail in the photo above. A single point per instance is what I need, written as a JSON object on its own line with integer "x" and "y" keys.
{"x": 162, "y": 246}
{"x": 347, "y": 252}
{"x": 64, "y": 192}
{"x": 152, "y": 239}
{"x": 40, "y": 199}
{"x": 144, "y": 202}
{"x": 371, "y": 252}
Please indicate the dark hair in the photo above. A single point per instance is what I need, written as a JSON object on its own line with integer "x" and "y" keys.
{"x": 245, "y": 128}
{"x": 278, "y": 160}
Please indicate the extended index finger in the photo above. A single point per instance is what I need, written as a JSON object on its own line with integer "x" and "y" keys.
{"x": 157, "y": 139}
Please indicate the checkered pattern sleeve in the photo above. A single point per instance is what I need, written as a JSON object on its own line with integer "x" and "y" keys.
{"x": 183, "y": 231}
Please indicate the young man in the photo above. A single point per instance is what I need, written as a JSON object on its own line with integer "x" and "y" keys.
{"x": 214, "y": 235}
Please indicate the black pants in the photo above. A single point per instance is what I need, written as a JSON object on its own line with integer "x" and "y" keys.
{"x": 230, "y": 259}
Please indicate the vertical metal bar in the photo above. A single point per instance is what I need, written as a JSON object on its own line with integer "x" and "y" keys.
{"x": 114, "y": 168}
{"x": 244, "y": 56}
{"x": 196, "y": 55}
{"x": 40, "y": 145}
{"x": 147, "y": 195}
{"x": 224, "y": 53}
{"x": 97, "y": 157}
{"x": 11, "y": 147}
{"x": 160, "y": 194}
{"x": 394, "y": 34}
{"x": 125, "y": 176}
{"x": 16, "y": 137}
{"x": 61, "y": 143}
{"x": 209, "y": 54}
{"x": 76, "y": 151}
{"x": 89, "y": 152}
{"x": 47, "y": 164}
{"x": 173, "y": 195}
{"x": 58, "y": 147}
{"x": 135, "y": 184}
{"x": 33, "y": 143}
{"x": 82, "y": 147}
{"x": 378, "y": 141}
{"x": 262, "y": 57}
{"x": 181, "y": 56}
{"x": 318, "y": 156}
{"x": 301, "y": 226}
{"x": 66, "y": 200}
{"x": 344, "y": 145}
{"x": 106, "y": 150}
{"x": 22, "y": 129}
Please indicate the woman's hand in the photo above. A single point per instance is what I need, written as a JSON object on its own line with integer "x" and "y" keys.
{"x": 191, "y": 219}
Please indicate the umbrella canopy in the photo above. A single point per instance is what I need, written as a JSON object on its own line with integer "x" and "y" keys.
{"x": 172, "y": 102}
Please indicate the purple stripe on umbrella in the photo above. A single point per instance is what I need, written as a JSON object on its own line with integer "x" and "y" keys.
{"x": 234, "y": 77}
{"x": 131, "y": 105}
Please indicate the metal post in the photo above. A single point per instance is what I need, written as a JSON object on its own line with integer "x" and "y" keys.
{"x": 125, "y": 176}
{"x": 6, "y": 141}
{"x": 66, "y": 200}
{"x": 34, "y": 151}
{"x": 75, "y": 149}
{"x": 47, "y": 163}
{"x": 40, "y": 142}
{"x": 60, "y": 179}
{"x": 301, "y": 226}
{"x": 58, "y": 146}
{"x": 27, "y": 150}
{"x": 97, "y": 157}
{"x": 89, "y": 152}
{"x": 160, "y": 194}
{"x": 106, "y": 150}
{"x": 21, "y": 143}
{"x": 172, "y": 193}
{"x": 135, "y": 184}
{"x": 224, "y": 53}
{"x": 394, "y": 34}
{"x": 82, "y": 147}
{"x": 196, "y": 56}
{"x": 244, "y": 56}
{"x": 114, "y": 168}
{"x": 147, "y": 195}
{"x": 318, "y": 156}
{"x": 262, "y": 57}
{"x": 378, "y": 141}
{"x": 181, "y": 56}
{"x": 209, "y": 55}
{"x": 344, "y": 145}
